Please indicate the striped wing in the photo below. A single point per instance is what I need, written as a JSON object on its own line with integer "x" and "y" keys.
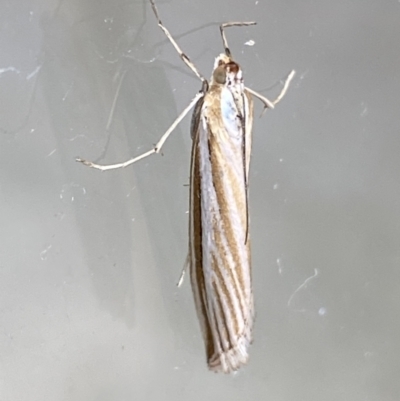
{"x": 220, "y": 263}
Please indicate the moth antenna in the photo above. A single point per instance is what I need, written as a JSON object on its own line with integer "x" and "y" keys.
{"x": 227, "y": 25}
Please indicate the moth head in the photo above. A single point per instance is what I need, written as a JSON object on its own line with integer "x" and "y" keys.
{"x": 226, "y": 71}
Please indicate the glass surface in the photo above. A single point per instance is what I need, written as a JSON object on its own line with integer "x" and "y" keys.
{"x": 89, "y": 308}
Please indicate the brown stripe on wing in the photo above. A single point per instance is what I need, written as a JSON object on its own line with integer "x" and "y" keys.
{"x": 228, "y": 172}
{"x": 232, "y": 300}
{"x": 196, "y": 246}
{"x": 227, "y": 244}
{"x": 224, "y": 305}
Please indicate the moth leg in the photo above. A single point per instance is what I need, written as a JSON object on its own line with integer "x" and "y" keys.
{"x": 184, "y": 270}
{"x": 227, "y": 25}
{"x": 267, "y": 103}
{"x": 182, "y": 55}
{"x": 285, "y": 87}
{"x": 156, "y": 148}
{"x": 271, "y": 104}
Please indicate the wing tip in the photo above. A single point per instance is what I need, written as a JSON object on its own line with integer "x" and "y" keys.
{"x": 231, "y": 360}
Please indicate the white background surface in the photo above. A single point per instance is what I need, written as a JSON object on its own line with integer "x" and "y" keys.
{"x": 89, "y": 309}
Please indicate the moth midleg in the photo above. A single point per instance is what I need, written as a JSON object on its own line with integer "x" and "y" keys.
{"x": 227, "y": 25}
{"x": 285, "y": 87}
{"x": 268, "y": 103}
{"x": 156, "y": 148}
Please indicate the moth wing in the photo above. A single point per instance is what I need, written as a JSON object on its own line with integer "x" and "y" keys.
{"x": 220, "y": 254}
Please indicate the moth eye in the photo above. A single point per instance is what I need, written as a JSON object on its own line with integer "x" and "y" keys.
{"x": 220, "y": 75}
{"x": 233, "y": 67}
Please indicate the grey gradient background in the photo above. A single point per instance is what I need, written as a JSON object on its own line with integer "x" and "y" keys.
{"x": 89, "y": 309}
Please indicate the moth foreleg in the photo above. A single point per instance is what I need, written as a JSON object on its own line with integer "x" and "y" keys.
{"x": 156, "y": 148}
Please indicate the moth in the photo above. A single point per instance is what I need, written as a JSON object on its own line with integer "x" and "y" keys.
{"x": 219, "y": 241}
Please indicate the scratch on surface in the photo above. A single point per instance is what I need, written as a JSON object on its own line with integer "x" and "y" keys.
{"x": 7, "y": 69}
{"x": 67, "y": 92}
{"x": 131, "y": 190}
{"x": 280, "y": 265}
{"x": 304, "y": 285}
{"x": 43, "y": 254}
{"x": 303, "y": 75}
{"x": 60, "y": 215}
{"x": 365, "y": 109}
{"x": 110, "y": 117}
{"x": 52, "y": 152}
{"x": 77, "y": 136}
{"x": 33, "y": 73}
{"x": 107, "y": 61}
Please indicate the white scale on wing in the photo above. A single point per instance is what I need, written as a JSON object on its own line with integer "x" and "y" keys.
{"x": 230, "y": 115}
